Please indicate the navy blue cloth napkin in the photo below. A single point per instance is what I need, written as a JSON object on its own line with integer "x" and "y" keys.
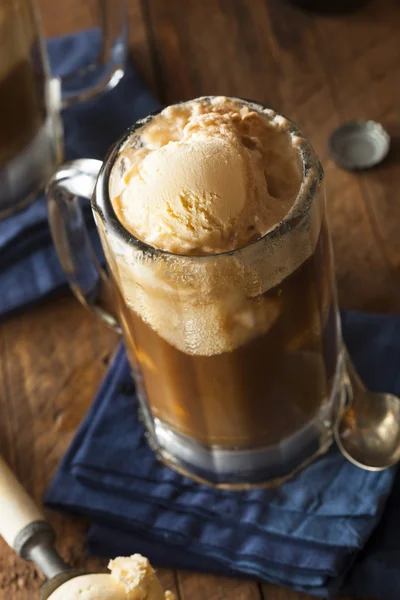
{"x": 305, "y": 534}
{"x": 29, "y": 268}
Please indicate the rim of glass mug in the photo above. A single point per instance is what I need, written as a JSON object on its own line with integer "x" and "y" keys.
{"x": 313, "y": 174}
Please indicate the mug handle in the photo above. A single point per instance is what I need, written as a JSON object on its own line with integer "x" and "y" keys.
{"x": 87, "y": 279}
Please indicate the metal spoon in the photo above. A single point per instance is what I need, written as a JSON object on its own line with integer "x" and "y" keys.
{"x": 368, "y": 432}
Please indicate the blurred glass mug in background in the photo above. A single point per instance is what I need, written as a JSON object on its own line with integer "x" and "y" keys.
{"x": 31, "y": 99}
{"x": 237, "y": 356}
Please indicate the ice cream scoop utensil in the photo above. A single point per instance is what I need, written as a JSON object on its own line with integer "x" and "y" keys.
{"x": 26, "y": 531}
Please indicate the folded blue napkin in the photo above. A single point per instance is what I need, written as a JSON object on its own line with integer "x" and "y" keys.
{"x": 305, "y": 534}
{"x": 29, "y": 268}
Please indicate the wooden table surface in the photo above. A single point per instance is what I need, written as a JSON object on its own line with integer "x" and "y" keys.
{"x": 318, "y": 70}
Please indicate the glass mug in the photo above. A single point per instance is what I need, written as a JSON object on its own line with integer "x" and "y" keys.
{"x": 234, "y": 411}
{"x": 31, "y": 100}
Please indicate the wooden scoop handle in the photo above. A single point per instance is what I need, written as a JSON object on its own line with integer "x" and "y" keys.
{"x": 23, "y": 527}
{"x": 17, "y": 509}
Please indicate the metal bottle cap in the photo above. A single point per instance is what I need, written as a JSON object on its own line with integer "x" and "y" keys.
{"x": 359, "y": 144}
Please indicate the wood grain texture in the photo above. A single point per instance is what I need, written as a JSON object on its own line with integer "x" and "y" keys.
{"x": 318, "y": 70}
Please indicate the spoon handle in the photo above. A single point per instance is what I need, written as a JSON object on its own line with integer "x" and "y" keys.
{"x": 17, "y": 508}
{"x": 354, "y": 377}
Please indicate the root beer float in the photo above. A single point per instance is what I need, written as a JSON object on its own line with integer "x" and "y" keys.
{"x": 226, "y": 298}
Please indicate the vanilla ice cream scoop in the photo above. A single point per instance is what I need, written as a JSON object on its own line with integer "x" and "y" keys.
{"x": 96, "y": 586}
{"x": 195, "y": 180}
{"x": 186, "y": 195}
{"x": 131, "y": 578}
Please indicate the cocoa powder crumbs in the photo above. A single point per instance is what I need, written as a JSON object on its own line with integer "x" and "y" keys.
{"x": 16, "y": 575}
